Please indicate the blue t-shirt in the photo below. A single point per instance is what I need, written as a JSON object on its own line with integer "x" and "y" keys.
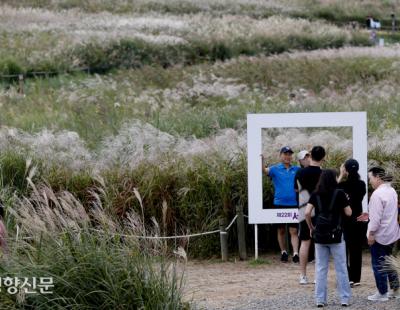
{"x": 283, "y": 180}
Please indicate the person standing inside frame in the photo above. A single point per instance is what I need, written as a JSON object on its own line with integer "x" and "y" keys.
{"x": 283, "y": 178}
{"x": 354, "y": 231}
{"x": 307, "y": 180}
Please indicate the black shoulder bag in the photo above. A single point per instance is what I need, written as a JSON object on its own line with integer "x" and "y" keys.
{"x": 327, "y": 231}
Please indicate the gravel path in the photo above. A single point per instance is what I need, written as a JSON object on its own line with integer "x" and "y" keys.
{"x": 274, "y": 285}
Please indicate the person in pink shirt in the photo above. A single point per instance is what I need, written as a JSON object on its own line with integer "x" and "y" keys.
{"x": 383, "y": 231}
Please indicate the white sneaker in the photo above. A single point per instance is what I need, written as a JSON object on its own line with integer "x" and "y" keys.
{"x": 394, "y": 293}
{"x": 378, "y": 297}
{"x": 303, "y": 280}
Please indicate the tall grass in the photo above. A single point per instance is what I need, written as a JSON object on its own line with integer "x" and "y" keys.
{"x": 92, "y": 272}
{"x": 335, "y": 11}
{"x": 91, "y": 264}
{"x": 62, "y": 41}
{"x": 166, "y": 119}
{"x": 201, "y": 100}
{"x": 182, "y": 192}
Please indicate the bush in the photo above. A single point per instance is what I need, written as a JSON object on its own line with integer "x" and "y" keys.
{"x": 136, "y": 53}
{"x": 10, "y": 67}
{"x": 95, "y": 260}
{"x": 14, "y": 170}
{"x": 92, "y": 272}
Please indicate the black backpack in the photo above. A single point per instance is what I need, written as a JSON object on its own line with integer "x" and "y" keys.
{"x": 328, "y": 229}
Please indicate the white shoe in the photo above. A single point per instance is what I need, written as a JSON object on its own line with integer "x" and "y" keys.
{"x": 303, "y": 280}
{"x": 378, "y": 297}
{"x": 394, "y": 293}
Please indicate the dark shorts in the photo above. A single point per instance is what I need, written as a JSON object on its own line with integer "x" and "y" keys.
{"x": 304, "y": 231}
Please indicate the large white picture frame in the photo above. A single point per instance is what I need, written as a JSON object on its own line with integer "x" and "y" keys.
{"x": 256, "y": 122}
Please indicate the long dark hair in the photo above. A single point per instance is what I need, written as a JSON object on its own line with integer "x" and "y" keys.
{"x": 353, "y": 176}
{"x": 351, "y": 165}
{"x": 327, "y": 181}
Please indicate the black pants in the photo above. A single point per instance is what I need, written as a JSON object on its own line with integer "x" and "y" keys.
{"x": 355, "y": 235}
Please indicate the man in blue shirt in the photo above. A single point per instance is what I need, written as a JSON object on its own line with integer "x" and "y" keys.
{"x": 283, "y": 178}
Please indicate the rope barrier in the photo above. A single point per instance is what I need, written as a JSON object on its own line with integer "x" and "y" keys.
{"x": 136, "y": 236}
{"x": 150, "y": 237}
{"x": 231, "y": 223}
{"x": 161, "y": 237}
{"x": 147, "y": 237}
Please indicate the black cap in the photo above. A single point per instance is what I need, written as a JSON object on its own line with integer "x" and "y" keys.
{"x": 286, "y": 149}
{"x": 351, "y": 165}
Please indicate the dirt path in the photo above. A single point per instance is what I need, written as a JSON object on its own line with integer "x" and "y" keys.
{"x": 240, "y": 285}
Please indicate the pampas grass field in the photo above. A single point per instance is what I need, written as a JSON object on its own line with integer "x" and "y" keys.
{"x": 132, "y": 122}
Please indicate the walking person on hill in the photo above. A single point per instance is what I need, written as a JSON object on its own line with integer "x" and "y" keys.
{"x": 283, "y": 175}
{"x": 383, "y": 232}
{"x": 306, "y": 180}
{"x": 330, "y": 205}
{"x": 354, "y": 231}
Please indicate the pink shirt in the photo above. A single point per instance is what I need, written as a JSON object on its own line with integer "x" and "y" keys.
{"x": 383, "y": 215}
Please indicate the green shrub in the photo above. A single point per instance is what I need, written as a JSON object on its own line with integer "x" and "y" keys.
{"x": 10, "y": 67}
{"x": 14, "y": 171}
{"x": 92, "y": 272}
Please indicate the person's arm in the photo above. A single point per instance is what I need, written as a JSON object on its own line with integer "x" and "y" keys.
{"x": 308, "y": 212}
{"x": 347, "y": 211}
{"x": 298, "y": 187}
{"x": 342, "y": 174}
{"x": 263, "y": 167}
{"x": 364, "y": 217}
{"x": 375, "y": 216}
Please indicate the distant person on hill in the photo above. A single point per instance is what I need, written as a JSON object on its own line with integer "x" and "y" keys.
{"x": 307, "y": 180}
{"x": 372, "y": 23}
{"x": 354, "y": 231}
{"x": 283, "y": 175}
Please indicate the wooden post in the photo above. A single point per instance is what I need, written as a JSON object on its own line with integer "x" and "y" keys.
{"x": 241, "y": 232}
{"x": 21, "y": 84}
{"x": 224, "y": 239}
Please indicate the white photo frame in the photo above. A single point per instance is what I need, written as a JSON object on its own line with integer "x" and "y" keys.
{"x": 256, "y": 122}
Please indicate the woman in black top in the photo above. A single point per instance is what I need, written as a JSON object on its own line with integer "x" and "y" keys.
{"x": 354, "y": 231}
{"x": 331, "y": 205}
